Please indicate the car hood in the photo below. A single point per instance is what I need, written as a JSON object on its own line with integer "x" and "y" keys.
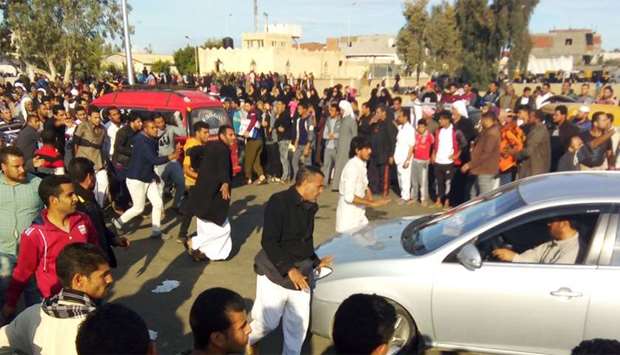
{"x": 375, "y": 241}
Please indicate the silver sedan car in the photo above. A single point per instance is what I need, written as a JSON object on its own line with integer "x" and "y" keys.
{"x": 450, "y": 292}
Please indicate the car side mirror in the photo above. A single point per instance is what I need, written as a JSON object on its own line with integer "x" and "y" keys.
{"x": 469, "y": 256}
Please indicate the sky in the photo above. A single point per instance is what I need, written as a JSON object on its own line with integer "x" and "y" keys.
{"x": 163, "y": 24}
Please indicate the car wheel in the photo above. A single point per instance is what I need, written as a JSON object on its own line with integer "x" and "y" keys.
{"x": 405, "y": 335}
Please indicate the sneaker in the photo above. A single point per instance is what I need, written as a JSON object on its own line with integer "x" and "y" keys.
{"x": 159, "y": 235}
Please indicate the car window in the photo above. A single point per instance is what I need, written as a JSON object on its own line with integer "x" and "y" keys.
{"x": 214, "y": 117}
{"x": 615, "y": 254}
{"x": 542, "y": 237}
{"x": 431, "y": 232}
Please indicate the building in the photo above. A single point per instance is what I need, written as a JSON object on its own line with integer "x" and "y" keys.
{"x": 583, "y": 45}
{"x": 140, "y": 61}
{"x": 377, "y": 51}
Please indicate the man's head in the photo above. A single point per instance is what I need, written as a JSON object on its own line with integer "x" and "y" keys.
{"x": 400, "y": 117}
{"x": 601, "y": 121}
{"x": 566, "y": 88}
{"x": 12, "y": 162}
{"x": 561, "y": 228}
{"x": 115, "y": 115}
{"x": 34, "y": 121}
{"x": 583, "y": 113}
{"x": 219, "y": 322}
{"x": 422, "y": 126}
{"x": 60, "y": 115}
{"x": 575, "y": 143}
{"x": 536, "y": 117}
{"x": 94, "y": 116}
{"x": 559, "y": 116}
{"x": 58, "y": 194}
{"x": 43, "y": 111}
{"x": 226, "y": 134}
{"x": 82, "y": 172}
{"x": 597, "y": 347}
{"x": 361, "y": 148}
{"x": 201, "y": 131}
{"x": 114, "y": 329}
{"x": 309, "y": 183}
{"x": 48, "y": 137}
{"x": 445, "y": 119}
{"x": 333, "y": 110}
{"x": 364, "y": 324}
{"x": 527, "y": 92}
{"x": 80, "y": 114}
{"x": 380, "y": 112}
{"x": 585, "y": 89}
{"x": 5, "y": 114}
{"x": 84, "y": 267}
{"x": 160, "y": 121}
{"x": 135, "y": 122}
{"x": 493, "y": 86}
{"x": 302, "y": 109}
{"x": 248, "y": 105}
{"x": 488, "y": 119}
{"x": 365, "y": 111}
{"x": 546, "y": 88}
{"x": 397, "y": 103}
{"x": 523, "y": 113}
{"x": 149, "y": 128}
{"x": 608, "y": 92}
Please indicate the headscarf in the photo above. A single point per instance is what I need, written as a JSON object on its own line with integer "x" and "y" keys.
{"x": 461, "y": 107}
{"x": 347, "y": 109}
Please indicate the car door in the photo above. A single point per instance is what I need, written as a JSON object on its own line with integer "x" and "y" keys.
{"x": 515, "y": 307}
{"x": 604, "y": 312}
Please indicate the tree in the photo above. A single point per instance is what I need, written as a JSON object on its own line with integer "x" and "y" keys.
{"x": 161, "y": 66}
{"x": 410, "y": 42}
{"x": 185, "y": 60}
{"x": 212, "y": 43}
{"x": 443, "y": 42}
{"x": 59, "y": 33}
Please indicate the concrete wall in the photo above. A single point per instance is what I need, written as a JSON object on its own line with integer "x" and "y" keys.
{"x": 323, "y": 64}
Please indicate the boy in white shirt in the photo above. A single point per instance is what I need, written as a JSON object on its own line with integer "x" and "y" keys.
{"x": 405, "y": 140}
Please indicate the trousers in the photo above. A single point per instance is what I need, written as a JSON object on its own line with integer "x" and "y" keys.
{"x": 101, "y": 187}
{"x": 419, "y": 180}
{"x": 329, "y": 162}
{"x": 285, "y": 159}
{"x": 443, "y": 177}
{"x": 172, "y": 171}
{"x": 404, "y": 181}
{"x": 299, "y": 160}
{"x": 378, "y": 177}
{"x": 274, "y": 302}
{"x": 251, "y": 162}
{"x": 483, "y": 184}
{"x": 139, "y": 192}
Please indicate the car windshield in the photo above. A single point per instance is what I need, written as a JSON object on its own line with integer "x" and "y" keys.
{"x": 430, "y": 232}
{"x": 215, "y": 117}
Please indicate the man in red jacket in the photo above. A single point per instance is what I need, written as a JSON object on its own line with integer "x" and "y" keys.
{"x": 58, "y": 226}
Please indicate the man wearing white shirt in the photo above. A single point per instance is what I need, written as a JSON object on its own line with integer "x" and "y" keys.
{"x": 405, "y": 139}
{"x": 111, "y": 128}
{"x": 355, "y": 195}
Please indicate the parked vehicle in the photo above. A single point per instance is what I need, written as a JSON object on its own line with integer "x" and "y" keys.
{"x": 450, "y": 292}
{"x": 193, "y": 106}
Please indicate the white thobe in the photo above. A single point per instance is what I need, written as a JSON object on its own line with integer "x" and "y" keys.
{"x": 212, "y": 240}
{"x": 353, "y": 182}
{"x": 405, "y": 139}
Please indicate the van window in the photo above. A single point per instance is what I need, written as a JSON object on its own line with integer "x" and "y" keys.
{"x": 215, "y": 117}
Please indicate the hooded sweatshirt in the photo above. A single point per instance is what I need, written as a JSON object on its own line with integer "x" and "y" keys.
{"x": 38, "y": 249}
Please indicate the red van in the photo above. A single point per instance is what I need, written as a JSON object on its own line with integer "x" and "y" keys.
{"x": 193, "y": 106}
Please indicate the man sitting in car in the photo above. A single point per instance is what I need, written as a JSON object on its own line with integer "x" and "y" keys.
{"x": 562, "y": 249}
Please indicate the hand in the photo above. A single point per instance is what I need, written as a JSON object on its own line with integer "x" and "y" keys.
{"x": 225, "y": 190}
{"x": 122, "y": 242}
{"x": 331, "y": 136}
{"x": 391, "y": 160}
{"x": 406, "y": 165}
{"x": 37, "y": 162}
{"x": 326, "y": 261}
{"x": 299, "y": 281}
{"x": 174, "y": 156}
{"x": 281, "y": 129}
{"x": 504, "y": 254}
{"x": 265, "y": 124}
{"x": 465, "y": 168}
{"x": 8, "y": 312}
{"x": 245, "y": 134}
{"x": 381, "y": 202}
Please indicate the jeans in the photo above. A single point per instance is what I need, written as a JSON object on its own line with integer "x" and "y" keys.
{"x": 483, "y": 184}
{"x": 140, "y": 191}
{"x": 299, "y": 160}
{"x": 7, "y": 264}
{"x": 507, "y": 176}
{"x": 329, "y": 162}
{"x": 443, "y": 176}
{"x": 419, "y": 180}
{"x": 172, "y": 171}
{"x": 285, "y": 158}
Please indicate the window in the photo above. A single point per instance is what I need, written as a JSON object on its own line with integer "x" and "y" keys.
{"x": 568, "y": 42}
{"x": 615, "y": 254}
{"x": 589, "y": 39}
{"x": 531, "y": 236}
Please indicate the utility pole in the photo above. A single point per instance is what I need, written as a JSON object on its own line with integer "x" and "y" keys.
{"x": 255, "y": 15}
{"x": 127, "y": 44}
{"x": 266, "y": 21}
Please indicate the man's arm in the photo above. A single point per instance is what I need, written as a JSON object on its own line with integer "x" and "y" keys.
{"x": 121, "y": 143}
{"x": 533, "y": 143}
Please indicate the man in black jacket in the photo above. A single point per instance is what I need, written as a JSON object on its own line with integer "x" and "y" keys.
{"x": 383, "y": 142}
{"x": 210, "y": 198}
{"x": 120, "y": 158}
{"x": 27, "y": 141}
{"x": 285, "y": 266}
{"x": 284, "y": 129}
{"x": 82, "y": 172}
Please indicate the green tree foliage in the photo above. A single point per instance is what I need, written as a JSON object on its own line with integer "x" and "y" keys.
{"x": 411, "y": 38}
{"x": 442, "y": 40}
{"x": 212, "y": 43}
{"x": 161, "y": 66}
{"x": 60, "y": 33}
{"x": 185, "y": 60}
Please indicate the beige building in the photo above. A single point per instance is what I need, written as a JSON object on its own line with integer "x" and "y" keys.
{"x": 583, "y": 45}
{"x": 140, "y": 61}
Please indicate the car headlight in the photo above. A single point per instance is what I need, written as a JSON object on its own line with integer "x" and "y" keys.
{"x": 322, "y": 272}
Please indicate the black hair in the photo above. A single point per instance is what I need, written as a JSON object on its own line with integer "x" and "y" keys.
{"x": 399, "y": 99}
{"x": 304, "y": 104}
{"x": 209, "y": 314}
{"x": 79, "y": 168}
{"x": 92, "y": 109}
{"x": 80, "y": 108}
{"x": 358, "y": 143}
{"x": 444, "y": 114}
{"x": 48, "y": 136}
{"x": 50, "y": 186}
{"x": 597, "y": 116}
{"x": 561, "y": 109}
{"x": 422, "y": 123}
{"x": 223, "y": 129}
{"x": 10, "y": 150}
{"x": 113, "y": 329}
{"x": 200, "y": 125}
{"x": 597, "y": 347}
{"x": 134, "y": 117}
{"x": 335, "y": 105}
{"x": 381, "y": 107}
{"x": 527, "y": 88}
{"x": 523, "y": 108}
{"x": 78, "y": 258}
{"x": 113, "y": 108}
{"x": 57, "y": 109}
{"x": 539, "y": 114}
{"x": 305, "y": 173}
{"x": 489, "y": 114}
{"x": 362, "y": 323}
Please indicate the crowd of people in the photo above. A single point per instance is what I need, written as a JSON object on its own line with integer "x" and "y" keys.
{"x": 74, "y": 177}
